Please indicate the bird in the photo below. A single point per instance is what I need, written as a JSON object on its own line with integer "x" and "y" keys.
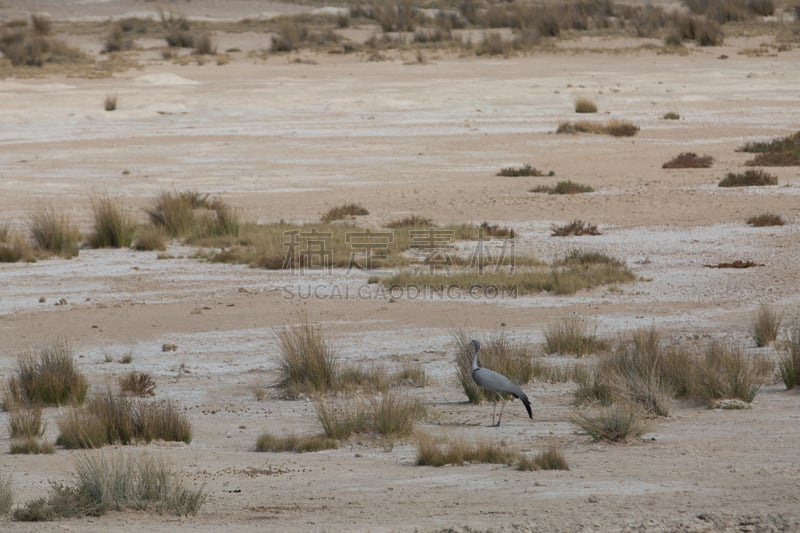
{"x": 496, "y": 383}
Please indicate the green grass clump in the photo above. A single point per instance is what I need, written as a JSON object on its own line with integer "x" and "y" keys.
{"x": 779, "y": 152}
{"x": 524, "y": 170}
{"x": 749, "y": 178}
{"x": 765, "y": 326}
{"x": 617, "y": 422}
{"x": 54, "y": 232}
{"x": 563, "y": 187}
{"x": 112, "y": 483}
{"x": 765, "y": 219}
{"x": 113, "y": 226}
{"x": 49, "y": 377}
{"x": 341, "y": 212}
{"x": 571, "y": 335}
{"x": 689, "y": 160}
{"x": 576, "y": 228}
{"x": 585, "y": 105}
{"x": 267, "y": 442}
{"x": 498, "y": 353}
{"x": 789, "y": 364}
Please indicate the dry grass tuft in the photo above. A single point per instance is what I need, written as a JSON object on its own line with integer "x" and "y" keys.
{"x": 192, "y": 215}
{"x": 789, "y": 364}
{"x": 150, "y": 238}
{"x": 616, "y": 128}
{"x": 14, "y": 247}
{"x": 267, "y": 442}
{"x": 563, "y": 187}
{"x": 726, "y": 373}
{"x": 750, "y": 178}
{"x": 392, "y": 416}
{"x": 689, "y": 160}
{"x": 54, "y": 232}
{"x": 26, "y": 429}
{"x": 585, "y": 105}
{"x": 671, "y": 115}
{"x": 308, "y": 363}
{"x": 524, "y": 170}
{"x": 6, "y": 494}
{"x": 571, "y": 335}
{"x": 342, "y": 419}
{"x": 47, "y": 378}
{"x": 411, "y": 221}
{"x": 138, "y": 384}
{"x": 432, "y": 452}
{"x": 765, "y": 219}
{"x": 110, "y": 102}
{"x": 765, "y": 326}
{"x": 576, "y": 228}
{"x": 495, "y": 230}
{"x": 31, "y": 45}
{"x": 113, "y": 226}
{"x": 551, "y": 458}
{"x": 342, "y": 212}
{"x": 617, "y": 422}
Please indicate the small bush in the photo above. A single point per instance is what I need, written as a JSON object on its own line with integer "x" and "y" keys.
{"x": 498, "y": 353}
{"x": 613, "y": 423}
{"x": 671, "y": 115}
{"x": 766, "y": 326}
{"x": 689, "y": 160}
{"x": 341, "y": 420}
{"x": 150, "y": 238}
{"x": 563, "y": 187}
{"x": 344, "y": 211}
{"x": 110, "y": 102}
{"x": 524, "y": 170}
{"x": 551, "y": 458}
{"x": 6, "y": 494}
{"x": 49, "y": 379}
{"x": 137, "y": 384}
{"x": 113, "y": 226}
{"x": 779, "y": 152}
{"x": 571, "y": 335}
{"x": 431, "y": 452}
{"x": 308, "y": 363}
{"x": 411, "y": 221}
{"x": 749, "y": 178}
{"x": 54, "y": 232}
{"x": 576, "y": 228}
{"x": 789, "y": 364}
{"x": 395, "y": 415}
{"x": 585, "y": 105}
{"x": 267, "y": 442}
{"x": 765, "y": 219}
{"x": 616, "y": 128}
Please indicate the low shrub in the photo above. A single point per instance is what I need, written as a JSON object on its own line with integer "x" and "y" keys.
{"x": 749, "y": 178}
{"x": 689, "y": 160}
{"x": 524, "y": 170}
{"x": 613, "y": 423}
{"x": 341, "y": 212}
{"x": 576, "y": 228}
{"x": 765, "y": 219}
{"x": 563, "y": 187}
{"x": 267, "y": 442}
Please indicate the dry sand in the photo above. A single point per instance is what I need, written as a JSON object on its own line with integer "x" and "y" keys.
{"x": 289, "y": 140}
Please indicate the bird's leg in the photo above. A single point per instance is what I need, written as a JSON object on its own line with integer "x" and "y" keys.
{"x": 494, "y": 408}
{"x": 502, "y": 406}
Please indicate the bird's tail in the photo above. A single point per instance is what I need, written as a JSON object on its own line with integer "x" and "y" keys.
{"x": 527, "y": 404}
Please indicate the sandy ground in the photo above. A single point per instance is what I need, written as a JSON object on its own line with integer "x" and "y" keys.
{"x": 279, "y": 139}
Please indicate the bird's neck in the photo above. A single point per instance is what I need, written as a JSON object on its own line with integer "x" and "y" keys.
{"x": 475, "y": 361}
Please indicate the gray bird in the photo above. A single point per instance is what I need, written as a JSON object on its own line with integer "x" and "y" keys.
{"x": 497, "y": 383}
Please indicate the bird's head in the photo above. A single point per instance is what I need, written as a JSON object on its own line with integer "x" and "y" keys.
{"x": 475, "y": 345}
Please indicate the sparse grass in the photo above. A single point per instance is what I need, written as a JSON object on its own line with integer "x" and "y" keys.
{"x": 495, "y": 230}
{"x": 344, "y": 211}
{"x": 177, "y": 30}
{"x": 411, "y": 373}
{"x": 616, "y": 128}
{"x": 432, "y": 452}
{"x": 779, "y": 152}
{"x": 391, "y": 417}
{"x": 726, "y": 373}
{"x": 671, "y": 115}
{"x": 138, "y": 384}
{"x": 614, "y": 423}
{"x": 765, "y": 219}
{"x": 192, "y": 215}
{"x": 395, "y": 415}
{"x": 104, "y": 483}
{"x": 126, "y": 359}
{"x": 25, "y": 423}
{"x": 411, "y": 221}
{"x": 110, "y": 102}
{"x": 576, "y": 228}
{"x": 6, "y": 494}
{"x": 571, "y": 335}
{"x": 109, "y": 419}
{"x": 563, "y": 187}
{"x": 267, "y": 442}
{"x": 54, "y": 232}
{"x": 551, "y": 458}
{"x": 689, "y": 160}
{"x": 749, "y": 178}
{"x": 308, "y": 363}
{"x": 14, "y": 247}
{"x": 766, "y": 325}
{"x": 150, "y": 238}
{"x": 30, "y": 446}
{"x": 498, "y": 353}
{"x": 585, "y": 105}
{"x": 31, "y": 45}
{"x": 49, "y": 377}
{"x": 524, "y": 170}
{"x": 118, "y": 38}
{"x": 342, "y": 419}
{"x": 113, "y": 226}
{"x": 789, "y": 364}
